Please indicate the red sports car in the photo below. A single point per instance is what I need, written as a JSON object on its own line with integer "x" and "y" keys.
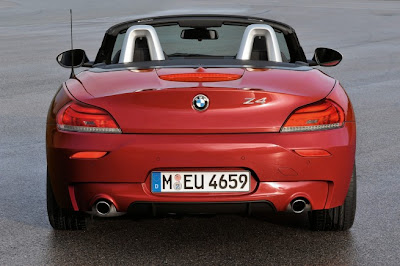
{"x": 201, "y": 114}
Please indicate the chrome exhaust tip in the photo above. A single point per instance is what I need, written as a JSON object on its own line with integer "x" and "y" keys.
{"x": 299, "y": 205}
{"x": 102, "y": 207}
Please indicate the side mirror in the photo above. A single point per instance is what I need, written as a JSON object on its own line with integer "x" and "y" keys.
{"x": 327, "y": 57}
{"x": 72, "y": 58}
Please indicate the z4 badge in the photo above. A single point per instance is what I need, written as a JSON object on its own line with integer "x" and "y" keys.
{"x": 253, "y": 100}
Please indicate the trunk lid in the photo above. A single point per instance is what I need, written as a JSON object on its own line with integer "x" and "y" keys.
{"x": 259, "y": 101}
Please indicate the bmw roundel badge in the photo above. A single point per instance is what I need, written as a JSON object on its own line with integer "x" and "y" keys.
{"x": 200, "y": 102}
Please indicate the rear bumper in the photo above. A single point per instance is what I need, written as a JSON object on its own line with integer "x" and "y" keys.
{"x": 123, "y": 176}
{"x": 122, "y": 195}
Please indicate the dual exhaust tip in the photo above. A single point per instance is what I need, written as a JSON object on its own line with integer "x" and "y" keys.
{"x": 104, "y": 208}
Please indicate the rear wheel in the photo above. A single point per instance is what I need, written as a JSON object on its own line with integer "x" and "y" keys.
{"x": 62, "y": 219}
{"x": 340, "y": 218}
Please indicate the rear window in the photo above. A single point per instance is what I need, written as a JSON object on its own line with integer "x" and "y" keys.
{"x": 227, "y": 44}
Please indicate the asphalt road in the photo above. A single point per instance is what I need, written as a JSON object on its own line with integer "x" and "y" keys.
{"x": 33, "y": 32}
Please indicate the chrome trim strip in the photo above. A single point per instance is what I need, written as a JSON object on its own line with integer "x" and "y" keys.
{"x": 138, "y": 31}
{"x": 254, "y": 30}
{"x": 89, "y": 129}
{"x": 311, "y": 128}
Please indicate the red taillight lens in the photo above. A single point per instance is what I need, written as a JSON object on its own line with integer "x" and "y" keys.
{"x": 83, "y": 118}
{"x": 200, "y": 77}
{"x": 319, "y": 116}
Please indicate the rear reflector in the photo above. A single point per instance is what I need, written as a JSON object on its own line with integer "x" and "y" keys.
{"x": 312, "y": 153}
{"x": 88, "y": 155}
{"x": 200, "y": 77}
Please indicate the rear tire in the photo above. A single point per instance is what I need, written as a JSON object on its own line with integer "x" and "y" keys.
{"x": 340, "y": 218}
{"x": 62, "y": 219}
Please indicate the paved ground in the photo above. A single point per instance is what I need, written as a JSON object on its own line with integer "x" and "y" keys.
{"x": 32, "y": 33}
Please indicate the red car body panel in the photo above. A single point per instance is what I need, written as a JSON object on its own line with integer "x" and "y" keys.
{"x": 161, "y": 131}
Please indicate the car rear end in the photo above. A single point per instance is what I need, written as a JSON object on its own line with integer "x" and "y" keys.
{"x": 201, "y": 114}
{"x": 151, "y": 152}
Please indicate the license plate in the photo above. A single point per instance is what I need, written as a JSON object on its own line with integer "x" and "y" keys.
{"x": 231, "y": 181}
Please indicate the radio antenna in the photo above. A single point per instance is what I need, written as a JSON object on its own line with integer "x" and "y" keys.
{"x": 72, "y": 50}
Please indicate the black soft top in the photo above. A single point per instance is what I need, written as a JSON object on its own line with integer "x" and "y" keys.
{"x": 199, "y": 21}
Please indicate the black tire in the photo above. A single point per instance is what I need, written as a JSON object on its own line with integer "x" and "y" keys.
{"x": 62, "y": 219}
{"x": 340, "y": 218}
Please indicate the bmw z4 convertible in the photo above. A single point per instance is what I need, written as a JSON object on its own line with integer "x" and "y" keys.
{"x": 201, "y": 114}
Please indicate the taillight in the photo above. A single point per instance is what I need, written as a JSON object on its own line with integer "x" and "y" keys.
{"x": 200, "y": 77}
{"x": 319, "y": 116}
{"x": 84, "y": 118}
